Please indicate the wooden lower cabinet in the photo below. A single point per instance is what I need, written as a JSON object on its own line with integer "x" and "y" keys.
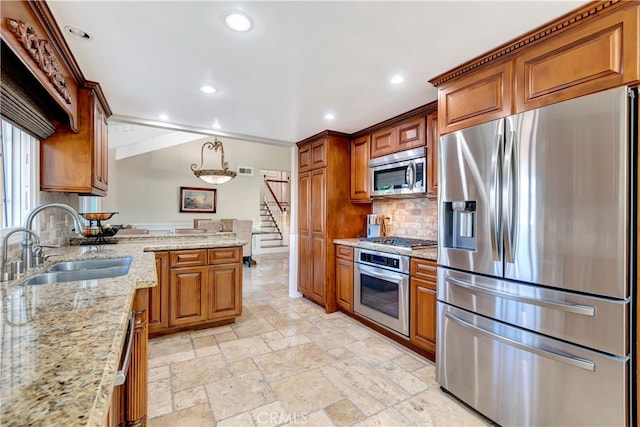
{"x": 422, "y": 319}
{"x": 186, "y": 288}
{"x": 129, "y": 401}
{"x": 196, "y": 288}
{"x": 159, "y": 296}
{"x": 344, "y": 277}
{"x": 224, "y": 298}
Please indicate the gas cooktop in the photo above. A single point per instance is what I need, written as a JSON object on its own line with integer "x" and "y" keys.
{"x": 404, "y": 242}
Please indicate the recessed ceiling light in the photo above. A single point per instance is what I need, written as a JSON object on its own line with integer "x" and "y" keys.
{"x": 238, "y": 21}
{"x": 396, "y": 80}
{"x": 216, "y": 124}
{"x": 163, "y": 117}
{"x": 208, "y": 89}
{"x": 78, "y": 33}
{"x": 329, "y": 116}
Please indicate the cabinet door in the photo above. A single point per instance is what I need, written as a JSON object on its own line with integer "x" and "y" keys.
{"x": 432, "y": 155}
{"x": 344, "y": 284}
{"x": 304, "y": 158}
{"x": 600, "y": 55}
{"x": 411, "y": 134}
{"x": 137, "y": 381}
{"x": 422, "y": 325}
{"x": 383, "y": 142}
{"x": 186, "y": 292}
{"x": 318, "y": 154}
{"x": 319, "y": 268}
{"x": 304, "y": 233}
{"x": 224, "y": 291}
{"x": 158, "y": 317}
{"x": 100, "y": 147}
{"x": 318, "y": 201}
{"x": 480, "y": 97}
{"x": 360, "y": 174}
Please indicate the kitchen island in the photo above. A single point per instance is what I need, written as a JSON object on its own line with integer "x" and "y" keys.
{"x": 62, "y": 342}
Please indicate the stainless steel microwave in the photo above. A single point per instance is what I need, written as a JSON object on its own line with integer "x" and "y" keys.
{"x": 399, "y": 174}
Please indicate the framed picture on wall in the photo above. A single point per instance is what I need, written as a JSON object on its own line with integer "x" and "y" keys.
{"x": 198, "y": 200}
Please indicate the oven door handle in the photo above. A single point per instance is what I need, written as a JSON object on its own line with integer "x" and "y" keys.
{"x": 374, "y": 272}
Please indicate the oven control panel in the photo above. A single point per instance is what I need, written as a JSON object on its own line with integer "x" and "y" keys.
{"x": 389, "y": 261}
{"x": 382, "y": 260}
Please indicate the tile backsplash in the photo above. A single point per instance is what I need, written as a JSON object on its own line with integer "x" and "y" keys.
{"x": 416, "y": 217}
{"x": 50, "y": 224}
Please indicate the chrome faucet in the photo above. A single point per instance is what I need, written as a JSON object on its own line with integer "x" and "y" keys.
{"x": 27, "y": 253}
{"x": 5, "y": 274}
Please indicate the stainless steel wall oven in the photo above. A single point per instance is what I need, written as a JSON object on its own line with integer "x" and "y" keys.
{"x": 381, "y": 288}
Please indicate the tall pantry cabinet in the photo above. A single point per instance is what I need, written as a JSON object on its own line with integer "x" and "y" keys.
{"x": 325, "y": 213}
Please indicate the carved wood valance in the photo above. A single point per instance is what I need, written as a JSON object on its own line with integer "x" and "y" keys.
{"x": 41, "y": 51}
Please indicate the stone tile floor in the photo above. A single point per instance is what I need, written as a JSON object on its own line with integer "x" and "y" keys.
{"x": 286, "y": 362}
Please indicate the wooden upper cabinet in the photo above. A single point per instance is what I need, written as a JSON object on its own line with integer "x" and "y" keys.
{"x": 593, "y": 48}
{"x": 476, "y": 98}
{"x": 383, "y": 142}
{"x": 410, "y": 134}
{"x": 404, "y": 136}
{"x": 433, "y": 136}
{"x": 318, "y": 201}
{"x": 318, "y": 154}
{"x": 600, "y": 55}
{"x": 312, "y": 155}
{"x": 77, "y": 162}
{"x": 360, "y": 174}
{"x": 304, "y": 158}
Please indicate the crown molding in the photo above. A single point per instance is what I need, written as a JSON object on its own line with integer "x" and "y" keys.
{"x": 564, "y": 23}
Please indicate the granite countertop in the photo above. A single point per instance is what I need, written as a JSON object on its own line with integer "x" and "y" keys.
{"x": 430, "y": 253}
{"x": 61, "y": 343}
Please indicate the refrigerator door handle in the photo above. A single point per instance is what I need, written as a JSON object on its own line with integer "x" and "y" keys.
{"x": 509, "y": 197}
{"x": 562, "y": 358}
{"x": 494, "y": 197}
{"x": 585, "y": 310}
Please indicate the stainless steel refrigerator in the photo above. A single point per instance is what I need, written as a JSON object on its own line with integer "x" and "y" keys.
{"x": 536, "y": 264}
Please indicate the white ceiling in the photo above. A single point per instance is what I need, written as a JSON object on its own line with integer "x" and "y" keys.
{"x": 300, "y": 61}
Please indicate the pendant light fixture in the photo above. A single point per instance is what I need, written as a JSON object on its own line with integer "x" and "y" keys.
{"x": 213, "y": 176}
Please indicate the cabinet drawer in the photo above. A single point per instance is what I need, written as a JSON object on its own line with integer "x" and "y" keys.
{"x": 424, "y": 269}
{"x": 187, "y": 258}
{"x": 224, "y": 255}
{"x": 344, "y": 252}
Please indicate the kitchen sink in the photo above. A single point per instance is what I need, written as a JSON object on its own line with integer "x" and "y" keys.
{"x": 91, "y": 264}
{"x": 80, "y": 270}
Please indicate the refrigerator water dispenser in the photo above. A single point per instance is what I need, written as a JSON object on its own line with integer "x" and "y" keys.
{"x": 460, "y": 224}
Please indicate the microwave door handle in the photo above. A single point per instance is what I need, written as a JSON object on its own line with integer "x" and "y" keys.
{"x": 410, "y": 175}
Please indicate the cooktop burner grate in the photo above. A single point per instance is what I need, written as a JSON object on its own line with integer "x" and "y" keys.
{"x": 404, "y": 242}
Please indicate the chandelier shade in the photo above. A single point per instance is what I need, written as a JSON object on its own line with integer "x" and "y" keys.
{"x": 213, "y": 176}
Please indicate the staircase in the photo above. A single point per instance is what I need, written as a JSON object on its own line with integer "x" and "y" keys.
{"x": 274, "y": 223}
{"x": 271, "y": 235}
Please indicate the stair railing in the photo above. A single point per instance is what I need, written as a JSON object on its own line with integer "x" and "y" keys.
{"x": 281, "y": 205}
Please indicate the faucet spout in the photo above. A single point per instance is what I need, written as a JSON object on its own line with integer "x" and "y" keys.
{"x": 27, "y": 255}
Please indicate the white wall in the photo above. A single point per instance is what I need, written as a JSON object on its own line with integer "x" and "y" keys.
{"x": 145, "y": 189}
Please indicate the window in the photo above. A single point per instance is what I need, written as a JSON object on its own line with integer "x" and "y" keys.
{"x": 89, "y": 204}
{"x": 19, "y": 177}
